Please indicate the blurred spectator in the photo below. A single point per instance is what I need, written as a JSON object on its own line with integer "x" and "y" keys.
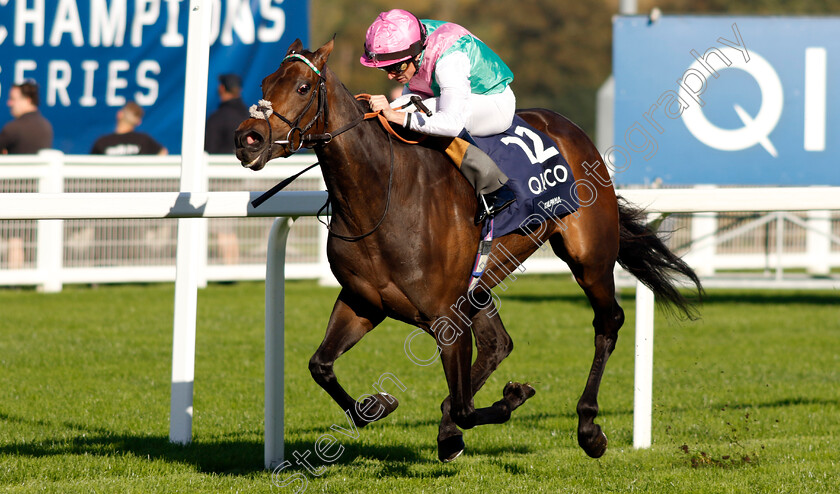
{"x": 218, "y": 134}
{"x": 29, "y": 132}
{"x": 125, "y": 141}
{"x": 218, "y": 139}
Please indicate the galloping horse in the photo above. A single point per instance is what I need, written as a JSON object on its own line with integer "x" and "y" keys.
{"x": 403, "y": 242}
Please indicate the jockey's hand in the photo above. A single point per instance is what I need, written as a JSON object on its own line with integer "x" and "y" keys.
{"x": 380, "y": 103}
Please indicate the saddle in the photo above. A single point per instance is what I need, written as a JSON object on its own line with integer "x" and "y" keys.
{"x": 536, "y": 171}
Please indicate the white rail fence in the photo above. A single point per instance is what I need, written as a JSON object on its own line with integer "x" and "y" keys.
{"x": 120, "y": 250}
{"x": 52, "y": 253}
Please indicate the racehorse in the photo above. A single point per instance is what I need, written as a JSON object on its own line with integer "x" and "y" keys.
{"x": 403, "y": 240}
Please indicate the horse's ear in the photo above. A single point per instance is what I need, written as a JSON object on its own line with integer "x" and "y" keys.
{"x": 295, "y": 47}
{"x": 323, "y": 53}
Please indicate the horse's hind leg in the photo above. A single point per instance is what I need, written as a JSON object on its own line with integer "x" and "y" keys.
{"x": 596, "y": 279}
{"x": 351, "y": 320}
{"x": 493, "y": 344}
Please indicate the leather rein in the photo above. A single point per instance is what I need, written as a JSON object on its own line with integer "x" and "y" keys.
{"x": 297, "y": 136}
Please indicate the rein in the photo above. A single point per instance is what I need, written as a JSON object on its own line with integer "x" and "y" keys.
{"x": 385, "y": 123}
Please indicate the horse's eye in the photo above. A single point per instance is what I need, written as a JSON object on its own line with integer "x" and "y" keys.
{"x": 303, "y": 89}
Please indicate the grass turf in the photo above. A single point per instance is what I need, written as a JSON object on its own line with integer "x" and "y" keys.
{"x": 745, "y": 400}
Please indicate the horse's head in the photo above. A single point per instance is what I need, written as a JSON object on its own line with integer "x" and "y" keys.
{"x": 294, "y": 99}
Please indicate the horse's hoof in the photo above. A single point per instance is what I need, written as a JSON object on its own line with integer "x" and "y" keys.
{"x": 374, "y": 407}
{"x": 596, "y": 445}
{"x": 389, "y": 402}
{"x": 517, "y": 393}
{"x": 451, "y": 448}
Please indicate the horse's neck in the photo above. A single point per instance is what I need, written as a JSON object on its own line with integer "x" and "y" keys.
{"x": 356, "y": 165}
{"x": 361, "y": 174}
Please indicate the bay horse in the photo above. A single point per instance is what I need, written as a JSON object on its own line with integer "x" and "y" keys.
{"x": 403, "y": 240}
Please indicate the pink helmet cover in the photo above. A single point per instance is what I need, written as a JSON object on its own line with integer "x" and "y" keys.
{"x": 393, "y": 37}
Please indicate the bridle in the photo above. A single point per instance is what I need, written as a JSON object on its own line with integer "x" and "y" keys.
{"x": 297, "y": 136}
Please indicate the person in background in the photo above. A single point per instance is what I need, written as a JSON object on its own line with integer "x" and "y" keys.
{"x": 218, "y": 133}
{"x": 126, "y": 141}
{"x": 218, "y": 139}
{"x": 29, "y": 132}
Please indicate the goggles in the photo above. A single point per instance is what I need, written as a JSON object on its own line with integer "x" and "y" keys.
{"x": 397, "y": 68}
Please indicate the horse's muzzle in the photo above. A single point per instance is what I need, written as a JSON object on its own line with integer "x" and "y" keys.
{"x": 250, "y": 140}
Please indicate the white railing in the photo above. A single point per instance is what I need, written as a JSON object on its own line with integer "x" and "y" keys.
{"x": 52, "y": 253}
{"x": 722, "y": 230}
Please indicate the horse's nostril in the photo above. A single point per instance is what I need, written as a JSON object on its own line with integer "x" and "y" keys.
{"x": 249, "y": 138}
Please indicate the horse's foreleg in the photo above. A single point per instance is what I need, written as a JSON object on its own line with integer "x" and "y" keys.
{"x": 351, "y": 320}
{"x": 455, "y": 346}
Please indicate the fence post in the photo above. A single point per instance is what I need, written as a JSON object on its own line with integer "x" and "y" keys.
{"x": 701, "y": 255}
{"x": 325, "y": 275}
{"x": 275, "y": 317}
{"x": 643, "y": 379}
{"x": 203, "y": 224}
{"x": 703, "y": 245}
{"x": 50, "y": 250}
{"x": 780, "y": 245}
{"x": 818, "y": 242}
{"x": 189, "y": 229}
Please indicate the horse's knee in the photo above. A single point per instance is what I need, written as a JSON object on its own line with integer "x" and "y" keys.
{"x": 610, "y": 323}
{"x": 506, "y": 345}
{"x": 321, "y": 371}
{"x": 618, "y": 317}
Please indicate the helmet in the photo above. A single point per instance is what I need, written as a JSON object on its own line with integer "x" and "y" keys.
{"x": 394, "y": 36}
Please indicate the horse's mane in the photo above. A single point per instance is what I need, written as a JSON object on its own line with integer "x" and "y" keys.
{"x": 361, "y": 105}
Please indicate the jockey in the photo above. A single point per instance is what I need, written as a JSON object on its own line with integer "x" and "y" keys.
{"x": 464, "y": 83}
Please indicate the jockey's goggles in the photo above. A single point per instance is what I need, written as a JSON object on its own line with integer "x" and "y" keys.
{"x": 397, "y": 68}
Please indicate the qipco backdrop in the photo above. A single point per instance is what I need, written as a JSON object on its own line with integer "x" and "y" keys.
{"x": 90, "y": 57}
{"x": 726, "y": 100}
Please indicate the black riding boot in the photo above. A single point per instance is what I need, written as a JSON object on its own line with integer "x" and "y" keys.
{"x": 491, "y": 203}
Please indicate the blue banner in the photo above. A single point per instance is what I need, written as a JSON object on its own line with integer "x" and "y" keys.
{"x": 726, "y": 100}
{"x": 90, "y": 57}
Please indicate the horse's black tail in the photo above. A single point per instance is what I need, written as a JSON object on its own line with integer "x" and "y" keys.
{"x": 643, "y": 254}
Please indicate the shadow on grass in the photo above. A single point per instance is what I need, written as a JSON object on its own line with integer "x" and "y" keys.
{"x": 575, "y": 299}
{"x": 770, "y": 297}
{"x": 355, "y": 449}
{"x": 785, "y": 403}
{"x": 218, "y": 456}
{"x": 225, "y": 457}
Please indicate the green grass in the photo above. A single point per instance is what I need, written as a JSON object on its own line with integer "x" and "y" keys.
{"x": 745, "y": 400}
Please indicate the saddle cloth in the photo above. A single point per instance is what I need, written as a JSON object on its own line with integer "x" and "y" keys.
{"x": 538, "y": 174}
